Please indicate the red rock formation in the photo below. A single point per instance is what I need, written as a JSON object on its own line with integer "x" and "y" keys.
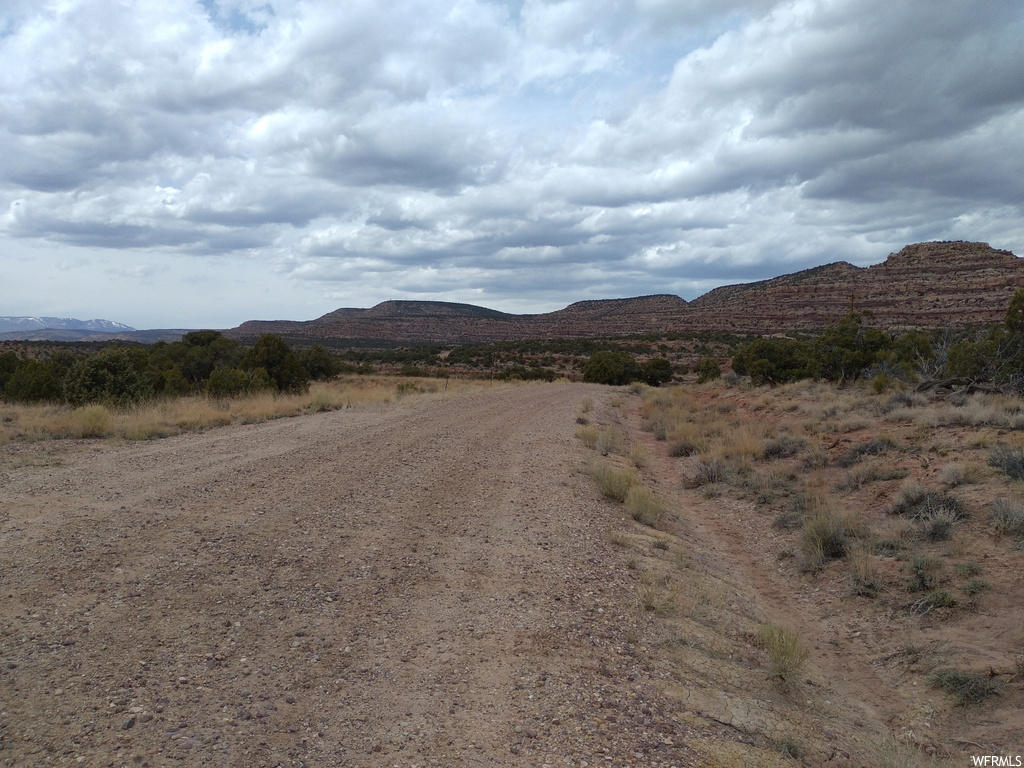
{"x": 927, "y": 285}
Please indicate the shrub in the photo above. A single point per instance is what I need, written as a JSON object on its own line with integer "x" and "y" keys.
{"x": 227, "y": 382}
{"x": 937, "y": 513}
{"x": 613, "y": 483}
{"x": 1008, "y": 517}
{"x": 272, "y": 354}
{"x": 910, "y": 496}
{"x": 1009, "y": 460}
{"x": 786, "y": 654}
{"x": 708, "y": 370}
{"x": 115, "y": 376}
{"x": 783, "y": 446}
{"x": 34, "y": 382}
{"x": 923, "y": 574}
{"x": 953, "y": 475}
{"x": 319, "y": 363}
{"x": 968, "y": 688}
{"x": 938, "y": 599}
{"x": 658, "y": 371}
{"x": 610, "y": 440}
{"x": 643, "y": 506}
{"x": 863, "y": 572}
{"x": 939, "y": 521}
{"x": 682, "y": 446}
{"x": 824, "y": 537}
{"x": 966, "y": 570}
{"x": 874, "y": 447}
{"x": 613, "y": 367}
{"x": 772, "y": 361}
{"x": 588, "y": 436}
{"x": 815, "y": 459}
{"x": 639, "y": 456}
{"x": 903, "y": 400}
{"x": 706, "y": 471}
{"x": 860, "y": 476}
{"x": 974, "y": 586}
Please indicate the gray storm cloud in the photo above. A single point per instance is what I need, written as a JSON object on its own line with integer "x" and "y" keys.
{"x": 520, "y": 155}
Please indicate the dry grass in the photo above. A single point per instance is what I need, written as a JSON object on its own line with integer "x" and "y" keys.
{"x": 897, "y": 753}
{"x": 162, "y": 418}
{"x": 643, "y": 506}
{"x": 787, "y": 655}
{"x": 864, "y": 573}
{"x": 1008, "y": 517}
{"x": 639, "y": 456}
{"x": 588, "y": 435}
{"x": 610, "y": 440}
{"x": 613, "y": 482}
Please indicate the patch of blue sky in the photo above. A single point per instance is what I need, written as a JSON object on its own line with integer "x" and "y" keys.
{"x": 230, "y": 18}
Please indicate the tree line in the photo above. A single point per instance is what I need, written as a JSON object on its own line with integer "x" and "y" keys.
{"x": 851, "y": 349}
{"x": 202, "y": 362}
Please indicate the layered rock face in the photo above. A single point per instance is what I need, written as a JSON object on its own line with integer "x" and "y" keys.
{"x": 442, "y": 322}
{"x": 926, "y": 285}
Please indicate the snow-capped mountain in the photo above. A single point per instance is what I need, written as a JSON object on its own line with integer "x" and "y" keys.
{"x": 61, "y": 323}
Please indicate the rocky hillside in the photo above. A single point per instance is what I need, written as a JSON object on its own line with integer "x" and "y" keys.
{"x": 436, "y": 321}
{"x": 926, "y": 285}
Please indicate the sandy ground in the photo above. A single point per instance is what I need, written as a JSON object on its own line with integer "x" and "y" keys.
{"x": 436, "y": 582}
{"x": 421, "y": 584}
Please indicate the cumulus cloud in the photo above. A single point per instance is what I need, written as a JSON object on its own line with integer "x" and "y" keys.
{"x": 520, "y": 155}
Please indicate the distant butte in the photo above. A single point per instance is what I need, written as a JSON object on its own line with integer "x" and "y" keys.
{"x": 925, "y": 285}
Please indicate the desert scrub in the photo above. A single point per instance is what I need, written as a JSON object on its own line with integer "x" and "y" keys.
{"x": 1008, "y": 517}
{"x": 705, "y": 470}
{"x": 935, "y": 513}
{"x": 685, "y": 439}
{"x": 968, "y": 569}
{"x": 955, "y": 474}
{"x": 863, "y": 474}
{"x": 924, "y": 574}
{"x": 639, "y": 456}
{"x": 1009, "y": 460}
{"x": 974, "y": 586}
{"x": 588, "y": 436}
{"x": 867, "y": 582}
{"x": 643, "y": 506}
{"x": 586, "y": 405}
{"x": 610, "y": 440}
{"x": 786, "y": 654}
{"x": 931, "y": 601}
{"x": 904, "y": 400}
{"x": 651, "y": 598}
{"x": 611, "y": 481}
{"x": 816, "y": 458}
{"x": 895, "y": 752}
{"x": 91, "y": 421}
{"x": 824, "y": 536}
{"x": 783, "y": 446}
{"x": 324, "y": 400}
{"x": 874, "y": 447}
{"x": 938, "y": 522}
{"x": 968, "y": 688}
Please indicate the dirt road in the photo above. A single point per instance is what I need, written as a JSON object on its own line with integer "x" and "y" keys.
{"x": 420, "y": 584}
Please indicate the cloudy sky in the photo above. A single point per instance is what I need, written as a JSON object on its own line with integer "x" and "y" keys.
{"x": 197, "y": 163}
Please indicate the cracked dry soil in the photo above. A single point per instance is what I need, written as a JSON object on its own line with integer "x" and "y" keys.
{"x": 426, "y": 583}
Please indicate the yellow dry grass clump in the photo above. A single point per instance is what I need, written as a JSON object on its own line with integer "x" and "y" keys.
{"x": 162, "y": 418}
